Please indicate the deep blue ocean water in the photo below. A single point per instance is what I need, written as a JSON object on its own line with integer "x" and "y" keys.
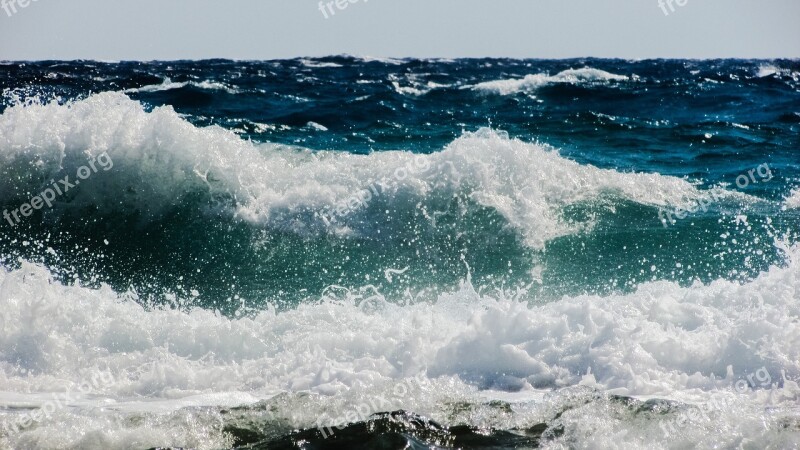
{"x": 240, "y": 188}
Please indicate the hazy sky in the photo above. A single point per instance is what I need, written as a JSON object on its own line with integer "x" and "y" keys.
{"x": 265, "y": 29}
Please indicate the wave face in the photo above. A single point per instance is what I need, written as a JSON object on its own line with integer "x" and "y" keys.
{"x": 470, "y": 253}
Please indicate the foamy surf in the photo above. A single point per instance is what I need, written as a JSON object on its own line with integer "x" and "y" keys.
{"x": 792, "y": 200}
{"x": 177, "y": 371}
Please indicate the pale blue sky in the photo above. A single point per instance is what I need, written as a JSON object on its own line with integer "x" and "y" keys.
{"x": 266, "y": 29}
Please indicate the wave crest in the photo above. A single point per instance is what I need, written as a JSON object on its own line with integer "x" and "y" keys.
{"x": 536, "y": 81}
{"x": 159, "y": 158}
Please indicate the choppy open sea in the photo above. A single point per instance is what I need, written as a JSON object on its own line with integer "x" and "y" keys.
{"x": 360, "y": 253}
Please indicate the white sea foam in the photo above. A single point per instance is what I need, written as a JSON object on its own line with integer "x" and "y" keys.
{"x": 792, "y": 201}
{"x": 766, "y": 70}
{"x": 168, "y": 85}
{"x": 319, "y": 64}
{"x": 158, "y": 157}
{"x": 536, "y": 81}
{"x": 665, "y": 341}
{"x": 411, "y": 85}
{"x": 771, "y": 70}
{"x": 317, "y": 126}
{"x": 393, "y": 61}
{"x": 409, "y": 90}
